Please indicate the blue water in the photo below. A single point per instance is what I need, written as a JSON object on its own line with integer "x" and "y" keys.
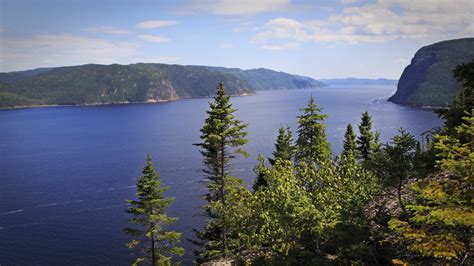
{"x": 65, "y": 172}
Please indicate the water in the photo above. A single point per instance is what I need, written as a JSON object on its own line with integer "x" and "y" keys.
{"x": 65, "y": 172}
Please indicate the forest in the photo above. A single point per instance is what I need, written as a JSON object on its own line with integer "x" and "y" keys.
{"x": 402, "y": 202}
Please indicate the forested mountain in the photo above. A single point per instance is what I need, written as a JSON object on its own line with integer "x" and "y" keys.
{"x": 266, "y": 79}
{"x": 359, "y": 81}
{"x": 107, "y": 84}
{"x": 428, "y": 80}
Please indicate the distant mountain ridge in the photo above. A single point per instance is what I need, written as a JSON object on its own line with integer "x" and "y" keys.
{"x": 109, "y": 84}
{"x": 428, "y": 80}
{"x": 359, "y": 81}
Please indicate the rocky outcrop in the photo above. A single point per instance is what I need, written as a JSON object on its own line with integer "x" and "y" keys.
{"x": 428, "y": 80}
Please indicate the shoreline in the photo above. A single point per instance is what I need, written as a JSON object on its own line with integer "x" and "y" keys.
{"x": 115, "y": 103}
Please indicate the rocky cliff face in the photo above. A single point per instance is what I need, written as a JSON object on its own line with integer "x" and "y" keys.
{"x": 428, "y": 80}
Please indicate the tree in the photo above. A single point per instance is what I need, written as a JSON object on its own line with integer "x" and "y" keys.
{"x": 367, "y": 142}
{"x": 284, "y": 149}
{"x": 150, "y": 239}
{"x": 396, "y": 162}
{"x": 464, "y": 101}
{"x": 349, "y": 145}
{"x": 222, "y": 136}
{"x": 312, "y": 144}
{"x": 261, "y": 172}
{"x": 441, "y": 223}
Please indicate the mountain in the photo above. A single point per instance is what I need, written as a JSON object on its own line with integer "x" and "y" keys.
{"x": 108, "y": 84}
{"x": 359, "y": 81}
{"x": 428, "y": 80}
{"x": 266, "y": 79}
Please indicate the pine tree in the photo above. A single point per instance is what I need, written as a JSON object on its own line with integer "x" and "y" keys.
{"x": 284, "y": 149}
{"x": 222, "y": 136}
{"x": 312, "y": 144}
{"x": 349, "y": 145}
{"x": 150, "y": 239}
{"x": 367, "y": 142}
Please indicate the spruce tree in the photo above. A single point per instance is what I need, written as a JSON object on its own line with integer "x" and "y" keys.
{"x": 261, "y": 172}
{"x": 151, "y": 241}
{"x": 284, "y": 149}
{"x": 312, "y": 144}
{"x": 222, "y": 136}
{"x": 367, "y": 142}
{"x": 349, "y": 145}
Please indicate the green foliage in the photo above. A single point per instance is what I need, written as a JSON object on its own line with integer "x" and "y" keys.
{"x": 312, "y": 144}
{"x": 395, "y": 163}
{"x": 260, "y": 171}
{"x": 284, "y": 148}
{"x": 349, "y": 145}
{"x": 151, "y": 241}
{"x": 10, "y": 100}
{"x": 266, "y": 79}
{"x": 108, "y": 84}
{"x": 222, "y": 137}
{"x": 462, "y": 103}
{"x": 442, "y": 218}
{"x": 367, "y": 142}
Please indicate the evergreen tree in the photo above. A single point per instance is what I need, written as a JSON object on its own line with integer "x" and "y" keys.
{"x": 464, "y": 101}
{"x": 150, "y": 239}
{"x": 396, "y": 162}
{"x": 222, "y": 136}
{"x": 441, "y": 222}
{"x": 367, "y": 142}
{"x": 261, "y": 171}
{"x": 284, "y": 149}
{"x": 312, "y": 144}
{"x": 349, "y": 145}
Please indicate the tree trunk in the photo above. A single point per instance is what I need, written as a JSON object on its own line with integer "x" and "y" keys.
{"x": 224, "y": 227}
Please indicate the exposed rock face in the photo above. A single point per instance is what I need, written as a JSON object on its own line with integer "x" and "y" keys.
{"x": 428, "y": 80}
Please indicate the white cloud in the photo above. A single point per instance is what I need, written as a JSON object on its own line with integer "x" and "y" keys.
{"x": 154, "y": 38}
{"x": 49, "y": 50}
{"x": 235, "y": 7}
{"x": 382, "y": 21}
{"x": 402, "y": 61}
{"x": 153, "y": 24}
{"x": 109, "y": 30}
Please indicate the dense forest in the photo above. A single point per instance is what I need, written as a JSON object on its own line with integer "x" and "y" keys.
{"x": 109, "y": 84}
{"x": 402, "y": 202}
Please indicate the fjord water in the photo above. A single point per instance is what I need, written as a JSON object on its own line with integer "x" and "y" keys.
{"x": 65, "y": 172}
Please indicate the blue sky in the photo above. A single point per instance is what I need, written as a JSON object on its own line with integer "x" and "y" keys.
{"x": 321, "y": 39}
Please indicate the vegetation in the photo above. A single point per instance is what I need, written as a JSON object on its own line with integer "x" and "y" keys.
{"x": 428, "y": 80}
{"x": 222, "y": 137}
{"x": 109, "y": 84}
{"x": 367, "y": 142}
{"x": 151, "y": 241}
{"x": 398, "y": 203}
{"x": 312, "y": 144}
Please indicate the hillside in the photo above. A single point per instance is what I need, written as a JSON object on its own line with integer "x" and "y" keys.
{"x": 266, "y": 79}
{"x": 359, "y": 81}
{"x": 109, "y": 84}
{"x": 428, "y": 80}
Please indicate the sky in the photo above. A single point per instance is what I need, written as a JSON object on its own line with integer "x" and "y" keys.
{"x": 320, "y": 39}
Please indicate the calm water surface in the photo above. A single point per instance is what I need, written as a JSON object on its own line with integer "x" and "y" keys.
{"x": 65, "y": 172}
